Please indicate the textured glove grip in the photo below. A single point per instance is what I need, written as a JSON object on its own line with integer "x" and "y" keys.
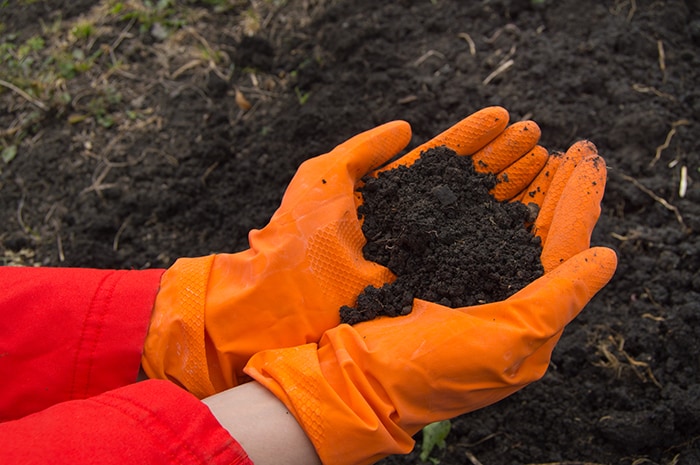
{"x": 175, "y": 345}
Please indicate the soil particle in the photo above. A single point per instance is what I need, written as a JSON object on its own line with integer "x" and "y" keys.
{"x": 439, "y": 230}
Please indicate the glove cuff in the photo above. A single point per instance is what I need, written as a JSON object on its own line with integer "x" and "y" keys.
{"x": 175, "y": 343}
{"x": 332, "y": 408}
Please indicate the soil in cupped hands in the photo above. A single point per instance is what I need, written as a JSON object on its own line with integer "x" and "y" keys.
{"x": 436, "y": 226}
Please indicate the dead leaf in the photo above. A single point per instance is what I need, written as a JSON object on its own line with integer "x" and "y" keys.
{"x": 242, "y": 102}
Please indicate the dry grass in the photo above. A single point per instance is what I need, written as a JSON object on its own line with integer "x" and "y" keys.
{"x": 614, "y": 357}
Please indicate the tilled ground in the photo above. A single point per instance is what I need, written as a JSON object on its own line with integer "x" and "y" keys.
{"x": 133, "y": 135}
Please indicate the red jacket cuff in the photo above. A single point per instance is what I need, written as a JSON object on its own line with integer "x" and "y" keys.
{"x": 70, "y": 333}
{"x": 153, "y": 422}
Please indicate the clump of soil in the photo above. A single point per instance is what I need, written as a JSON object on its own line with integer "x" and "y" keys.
{"x": 445, "y": 237}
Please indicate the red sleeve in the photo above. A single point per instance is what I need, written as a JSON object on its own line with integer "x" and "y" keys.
{"x": 68, "y": 333}
{"x": 152, "y": 422}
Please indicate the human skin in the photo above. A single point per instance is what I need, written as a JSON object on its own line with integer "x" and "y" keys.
{"x": 263, "y": 425}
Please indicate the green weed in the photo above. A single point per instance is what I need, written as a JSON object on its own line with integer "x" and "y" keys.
{"x": 434, "y": 434}
{"x": 162, "y": 14}
{"x": 83, "y": 30}
{"x": 302, "y": 96}
{"x": 8, "y": 153}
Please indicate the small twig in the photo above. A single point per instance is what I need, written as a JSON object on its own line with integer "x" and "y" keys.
{"x": 210, "y": 52}
{"x": 208, "y": 171}
{"x": 9, "y": 132}
{"x": 616, "y": 342}
{"x": 619, "y": 237}
{"x": 633, "y": 8}
{"x": 635, "y": 364}
{"x": 653, "y": 301}
{"x": 186, "y": 67}
{"x": 122, "y": 35}
{"x": 118, "y": 235}
{"x": 51, "y": 211}
{"x": 662, "y": 201}
{"x": 494, "y": 36}
{"x": 667, "y": 142}
{"x": 470, "y": 41}
{"x": 662, "y": 57}
{"x": 24, "y": 95}
{"x": 647, "y": 89}
{"x": 472, "y": 458}
{"x": 502, "y": 68}
{"x": 619, "y": 5}
{"x": 20, "y": 220}
{"x": 683, "y": 186}
{"x": 127, "y": 75}
{"x": 268, "y": 19}
{"x": 192, "y": 31}
{"x": 507, "y": 28}
{"x": 488, "y": 437}
{"x": 427, "y": 55}
{"x": 59, "y": 244}
{"x": 97, "y": 184}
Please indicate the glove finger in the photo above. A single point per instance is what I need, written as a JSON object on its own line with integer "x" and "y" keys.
{"x": 576, "y": 213}
{"x": 473, "y": 356}
{"x": 566, "y": 167}
{"x": 548, "y": 304}
{"x": 515, "y": 141}
{"x": 465, "y": 137}
{"x": 539, "y": 311}
{"x": 373, "y": 148}
{"x": 513, "y": 179}
{"x": 536, "y": 191}
{"x": 337, "y": 172}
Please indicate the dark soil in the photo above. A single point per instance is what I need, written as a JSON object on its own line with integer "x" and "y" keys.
{"x": 445, "y": 237}
{"x": 143, "y": 153}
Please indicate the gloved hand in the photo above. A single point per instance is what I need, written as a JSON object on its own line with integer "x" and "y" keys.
{"x": 364, "y": 390}
{"x": 213, "y": 313}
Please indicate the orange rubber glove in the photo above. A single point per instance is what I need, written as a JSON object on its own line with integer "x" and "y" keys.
{"x": 364, "y": 390}
{"x": 213, "y": 313}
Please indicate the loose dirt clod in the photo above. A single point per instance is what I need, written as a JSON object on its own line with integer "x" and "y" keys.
{"x": 439, "y": 230}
